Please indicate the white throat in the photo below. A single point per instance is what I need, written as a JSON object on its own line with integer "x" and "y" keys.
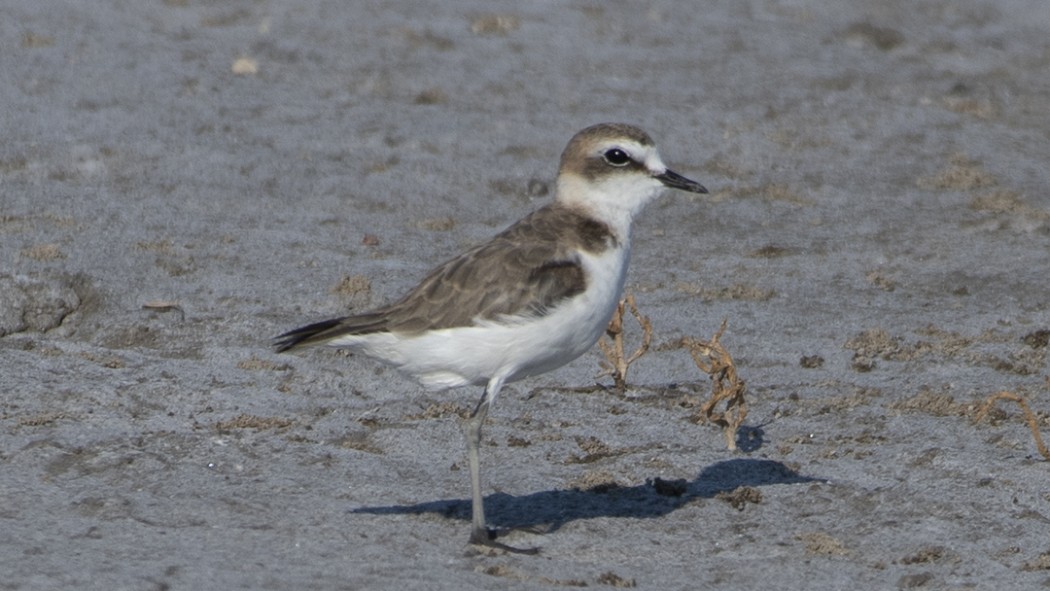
{"x": 615, "y": 201}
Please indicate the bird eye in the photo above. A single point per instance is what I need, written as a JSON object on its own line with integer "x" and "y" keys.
{"x": 617, "y": 157}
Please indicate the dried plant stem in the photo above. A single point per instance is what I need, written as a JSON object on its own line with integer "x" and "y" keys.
{"x": 1029, "y": 416}
{"x": 712, "y": 358}
{"x": 616, "y": 361}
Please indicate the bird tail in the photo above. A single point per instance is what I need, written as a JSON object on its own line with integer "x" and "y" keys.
{"x": 326, "y": 330}
{"x": 306, "y": 335}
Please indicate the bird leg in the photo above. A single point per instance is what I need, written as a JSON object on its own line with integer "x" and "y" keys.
{"x": 479, "y": 532}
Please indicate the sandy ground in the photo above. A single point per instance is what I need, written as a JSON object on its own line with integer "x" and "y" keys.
{"x": 181, "y": 180}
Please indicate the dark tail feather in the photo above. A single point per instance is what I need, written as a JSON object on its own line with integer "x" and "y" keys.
{"x": 305, "y": 335}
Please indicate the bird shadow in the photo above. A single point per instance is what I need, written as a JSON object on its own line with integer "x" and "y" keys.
{"x": 549, "y": 510}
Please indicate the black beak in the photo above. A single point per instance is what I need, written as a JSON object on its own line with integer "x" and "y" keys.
{"x": 674, "y": 180}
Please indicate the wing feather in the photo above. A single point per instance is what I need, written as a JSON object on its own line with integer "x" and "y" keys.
{"x": 527, "y": 269}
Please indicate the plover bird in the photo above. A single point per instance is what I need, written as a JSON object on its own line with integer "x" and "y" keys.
{"x": 531, "y": 299}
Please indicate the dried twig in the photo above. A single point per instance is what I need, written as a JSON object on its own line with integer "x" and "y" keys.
{"x": 165, "y": 306}
{"x": 1029, "y": 416}
{"x": 712, "y": 358}
{"x": 616, "y": 362}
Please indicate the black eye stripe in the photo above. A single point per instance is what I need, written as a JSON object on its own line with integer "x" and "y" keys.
{"x": 617, "y": 157}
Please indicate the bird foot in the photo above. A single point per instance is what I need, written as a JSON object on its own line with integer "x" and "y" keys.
{"x": 487, "y": 538}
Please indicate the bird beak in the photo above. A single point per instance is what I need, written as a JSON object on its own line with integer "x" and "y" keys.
{"x": 674, "y": 180}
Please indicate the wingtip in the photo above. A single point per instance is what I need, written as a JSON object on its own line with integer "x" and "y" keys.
{"x": 304, "y": 335}
{"x": 282, "y": 343}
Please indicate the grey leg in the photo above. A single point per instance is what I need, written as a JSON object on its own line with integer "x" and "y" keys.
{"x": 479, "y": 532}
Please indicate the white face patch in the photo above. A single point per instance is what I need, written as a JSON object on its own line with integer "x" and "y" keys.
{"x": 654, "y": 163}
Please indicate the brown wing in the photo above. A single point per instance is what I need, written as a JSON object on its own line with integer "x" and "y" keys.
{"x": 497, "y": 279}
{"x": 526, "y": 269}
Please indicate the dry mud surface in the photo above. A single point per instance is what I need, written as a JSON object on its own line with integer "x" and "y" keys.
{"x": 180, "y": 180}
